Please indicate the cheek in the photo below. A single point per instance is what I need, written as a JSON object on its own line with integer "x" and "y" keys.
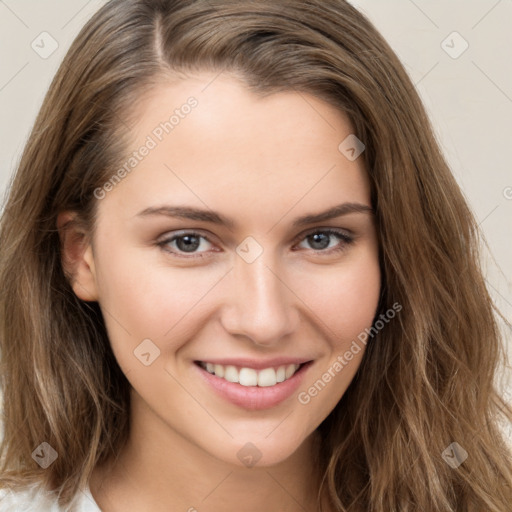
{"x": 344, "y": 301}
{"x": 144, "y": 298}
{"x": 344, "y": 298}
{"x": 150, "y": 298}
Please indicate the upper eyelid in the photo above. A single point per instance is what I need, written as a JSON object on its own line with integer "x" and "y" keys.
{"x": 182, "y": 232}
{"x": 296, "y": 239}
{"x": 332, "y": 230}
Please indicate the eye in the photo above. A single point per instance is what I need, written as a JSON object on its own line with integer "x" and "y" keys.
{"x": 320, "y": 240}
{"x": 185, "y": 243}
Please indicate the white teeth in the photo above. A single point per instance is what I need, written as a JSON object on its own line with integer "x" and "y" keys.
{"x": 231, "y": 374}
{"x": 250, "y": 377}
{"x": 267, "y": 377}
{"x": 219, "y": 370}
{"x": 290, "y": 370}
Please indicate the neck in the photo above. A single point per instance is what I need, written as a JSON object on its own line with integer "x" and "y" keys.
{"x": 161, "y": 470}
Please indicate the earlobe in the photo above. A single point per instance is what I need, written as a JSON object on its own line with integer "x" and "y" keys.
{"x": 77, "y": 256}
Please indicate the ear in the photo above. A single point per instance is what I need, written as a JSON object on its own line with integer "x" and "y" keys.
{"x": 77, "y": 256}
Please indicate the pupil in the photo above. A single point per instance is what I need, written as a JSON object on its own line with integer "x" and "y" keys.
{"x": 319, "y": 238}
{"x": 190, "y": 245}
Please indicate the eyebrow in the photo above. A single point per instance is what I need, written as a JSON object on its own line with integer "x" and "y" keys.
{"x": 185, "y": 212}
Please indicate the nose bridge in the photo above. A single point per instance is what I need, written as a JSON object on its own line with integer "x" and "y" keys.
{"x": 260, "y": 305}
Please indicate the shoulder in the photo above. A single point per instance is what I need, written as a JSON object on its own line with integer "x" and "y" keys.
{"x": 29, "y": 499}
{"x": 35, "y": 499}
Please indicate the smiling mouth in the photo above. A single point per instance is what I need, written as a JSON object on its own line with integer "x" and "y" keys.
{"x": 266, "y": 377}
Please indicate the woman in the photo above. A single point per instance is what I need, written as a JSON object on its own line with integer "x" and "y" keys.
{"x": 238, "y": 272}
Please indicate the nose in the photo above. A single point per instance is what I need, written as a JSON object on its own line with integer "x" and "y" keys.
{"x": 259, "y": 304}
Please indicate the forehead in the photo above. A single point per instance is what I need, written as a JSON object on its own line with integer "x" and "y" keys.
{"x": 208, "y": 140}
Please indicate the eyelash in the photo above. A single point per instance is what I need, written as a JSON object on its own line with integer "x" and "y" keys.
{"x": 342, "y": 236}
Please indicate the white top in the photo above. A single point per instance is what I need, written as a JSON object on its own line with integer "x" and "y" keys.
{"x": 33, "y": 499}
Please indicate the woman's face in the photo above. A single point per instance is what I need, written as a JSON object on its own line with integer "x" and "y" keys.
{"x": 207, "y": 253}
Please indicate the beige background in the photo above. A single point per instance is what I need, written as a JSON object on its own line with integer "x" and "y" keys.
{"x": 468, "y": 96}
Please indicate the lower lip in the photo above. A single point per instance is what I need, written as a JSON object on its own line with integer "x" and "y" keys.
{"x": 254, "y": 398}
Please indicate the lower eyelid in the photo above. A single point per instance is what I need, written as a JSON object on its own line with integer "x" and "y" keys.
{"x": 168, "y": 240}
{"x": 342, "y": 237}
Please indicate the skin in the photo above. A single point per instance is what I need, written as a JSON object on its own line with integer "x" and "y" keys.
{"x": 261, "y": 162}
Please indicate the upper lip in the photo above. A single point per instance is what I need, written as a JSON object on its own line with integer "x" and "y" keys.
{"x": 256, "y": 364}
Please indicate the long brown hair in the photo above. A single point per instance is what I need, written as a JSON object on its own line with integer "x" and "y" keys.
{"x": 426, "y": 380}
